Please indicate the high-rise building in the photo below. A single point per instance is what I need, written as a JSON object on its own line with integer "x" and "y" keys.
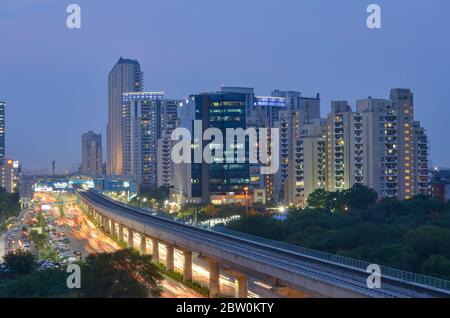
{"x": 126, "y": 76}
{"x": 167, "y": 122}
{"x": 10, "y": 175}
{"x": 91, "y": 154}
{"x": 339, "y": 146}
{"x": 374, "y": 146}
{"x": 311, "y": 159}
{"x": 403, "y": 104}
{"x": 265, "y": 113}
{"x": 182, "y": 185}
{"x": 2, "y": 129}
{"x": 422, "y": 175}
{"x": 379, "y": 145}
{"x": 141, "y": 124}
{"x": 299, "y": 111}
{"x": 288, "y": 124}
{"x": 217, "y": 182}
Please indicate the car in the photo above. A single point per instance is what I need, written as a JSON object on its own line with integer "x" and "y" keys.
{"x": 4, "y": 268}
{"x": 72, "y": 259}
{"x": 47, "y": 266}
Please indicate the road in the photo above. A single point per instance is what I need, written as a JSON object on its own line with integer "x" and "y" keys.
{"x": 16, "y": 229}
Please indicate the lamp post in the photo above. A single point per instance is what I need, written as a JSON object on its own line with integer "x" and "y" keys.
{"x": 246, "y": 200}
{"x": 145, "y": 201}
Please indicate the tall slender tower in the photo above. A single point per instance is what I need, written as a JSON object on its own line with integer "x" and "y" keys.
{"x": 126, "y": 76}
{"x": 2, "y": 129}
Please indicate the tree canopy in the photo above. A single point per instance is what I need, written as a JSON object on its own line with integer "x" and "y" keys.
{"x": 412, "y": 235}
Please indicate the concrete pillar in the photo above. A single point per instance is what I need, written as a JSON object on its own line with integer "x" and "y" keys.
{"x": 106, "y": 225}
{"x": 155, "y": 250}
{"x": 113, "y": 229}
{"x": 240, "y": 285}
{"x": 187, "y": 266}
{"x": 143, "y": 248}
{"x": 214, "y": 276}
{"x": 130, "y": 238}
{"x": 120, "y": 232}
{"x": 169, "y": 257}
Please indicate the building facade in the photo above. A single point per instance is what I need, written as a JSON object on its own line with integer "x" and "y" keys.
{"x": 126, "y": 76}
{"x": 168, "y": 122}
{"x": 2, "y": 129}
{"x": 10, "y": 175}
{"x": 141, "y": 130}
{"x": 91, "y": 154}
{"x": 380, "y": 145}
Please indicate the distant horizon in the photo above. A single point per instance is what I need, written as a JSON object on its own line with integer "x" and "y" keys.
{"x": 54, "y": 80}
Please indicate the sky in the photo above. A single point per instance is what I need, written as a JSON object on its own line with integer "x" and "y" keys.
{"x": 54, "y": 79}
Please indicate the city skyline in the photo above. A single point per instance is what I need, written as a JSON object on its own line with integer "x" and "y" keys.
{"x": 67, "y": 85}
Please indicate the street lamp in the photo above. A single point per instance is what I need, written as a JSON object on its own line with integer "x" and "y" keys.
{"x": 246, "y": 189}
{"x": 145, "y": 201}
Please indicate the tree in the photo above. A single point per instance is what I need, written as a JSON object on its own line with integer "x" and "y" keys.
{"x": 20, "y": 262}
{"x": 211, "y": 211}
{"x": 429, "y": 240}
{"x": 358, "y": 197}
{"x": 437, "y": 265}
{"x": 40, "y": 284}
{"x": 318, "y": 199}
{"x": 123, "y": 274}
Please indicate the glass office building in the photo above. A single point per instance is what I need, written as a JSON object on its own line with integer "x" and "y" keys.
{"x": 221, "y": 182}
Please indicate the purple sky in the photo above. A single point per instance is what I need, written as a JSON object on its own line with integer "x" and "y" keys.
{"x": 54, "y": 79}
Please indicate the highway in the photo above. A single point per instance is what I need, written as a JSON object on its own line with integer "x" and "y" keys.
{"x": 335, "y": 274}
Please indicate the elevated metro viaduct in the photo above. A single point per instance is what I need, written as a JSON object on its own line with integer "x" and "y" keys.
{"x": 313, "y": 276}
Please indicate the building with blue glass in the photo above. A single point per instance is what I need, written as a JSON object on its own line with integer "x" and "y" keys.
{"x": 222, "y": 182}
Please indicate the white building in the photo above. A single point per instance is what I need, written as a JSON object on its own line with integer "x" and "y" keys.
{"x": 140, "y": 117}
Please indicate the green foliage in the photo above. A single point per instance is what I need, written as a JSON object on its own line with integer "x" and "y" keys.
{"x": 155, "y": 197}
{"x": 357, "y": 197}
{"x": 124, "y": 274}
{"x": 20, "y": 262}
{"x": 407, "y": 235}
{"x": 208, "y": 212}
{"x": 437, "y": 265}
{"x": 40, "y": 284}
{"x": 9, "y": 205}
{"x": 260, "y": 226}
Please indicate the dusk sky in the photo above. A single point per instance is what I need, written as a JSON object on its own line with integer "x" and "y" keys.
{"x": 54, "y": 79}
